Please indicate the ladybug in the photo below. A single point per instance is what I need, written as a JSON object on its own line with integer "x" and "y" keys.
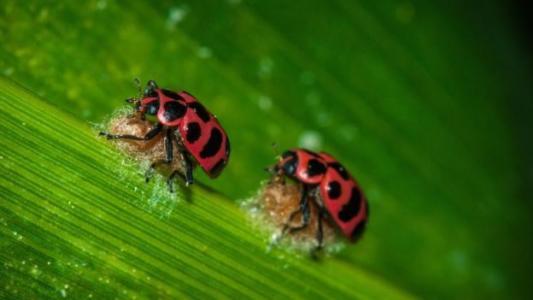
{"x": 328, "y": 184}
{"x": 186, "y": 124}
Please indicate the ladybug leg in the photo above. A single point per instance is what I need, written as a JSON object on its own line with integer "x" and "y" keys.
{"x": 138, "y": 85}
{"x": 169, "y": 149}
{"x": 322, "y": 213}
{"x": 172, "y": 177}
{"x": 169, "y": 152}
{"x": 185, "y": 162}
{"x": 303, "y": 208}
{"x": 320, "y": 230}
{"x": 148, "y": 136}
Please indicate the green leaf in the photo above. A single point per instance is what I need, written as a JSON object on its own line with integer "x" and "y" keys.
{"x": 426, "y": 103}
{"x": 70, "y": 227}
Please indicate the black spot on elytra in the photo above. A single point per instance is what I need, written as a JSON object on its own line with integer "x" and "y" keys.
{"x": 315, "y": 167}
{"x": 217, "y": 168}
{"x": 334, "y": 190}
{"x": 174, "y": 110}
{"x": 341, "y": 170}
{"x": 171, "y": 94}
{"x": 358, "y": 231}
{"x": 200, "y": 111}
{"x": 213, "y": 144}
{"x": 193, "y": 132}
{"x": 351, "y": 209}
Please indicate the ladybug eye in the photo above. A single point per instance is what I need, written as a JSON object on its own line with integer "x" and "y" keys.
{"x": 150, "y": 92}
{"x": 289, "y": 167}
{"x": 152, "y": 108}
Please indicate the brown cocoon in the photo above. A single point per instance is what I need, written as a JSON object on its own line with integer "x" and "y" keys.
{"x": 151, "y": 151}
{"x": 278, "y": 200}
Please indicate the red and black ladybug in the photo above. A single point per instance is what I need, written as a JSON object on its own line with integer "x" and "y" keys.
{"x": 186, "y": 124}
{"x": 333, "y": 190}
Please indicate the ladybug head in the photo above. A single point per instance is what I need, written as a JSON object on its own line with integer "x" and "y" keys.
{"x": 287, "y": 164}
{"x": 149, "y": 103}
{"x": 150, "y": 89}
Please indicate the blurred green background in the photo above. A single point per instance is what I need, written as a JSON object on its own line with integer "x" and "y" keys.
{"x": 427, "y": 104}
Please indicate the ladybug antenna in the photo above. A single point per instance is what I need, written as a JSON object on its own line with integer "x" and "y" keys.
{"x": 272, "y": 169}
{"x": 275, "y": 149}
{"x": 137, "y": 83}
{"x": 151, "y": 84}
{"x": 135, "y": 100}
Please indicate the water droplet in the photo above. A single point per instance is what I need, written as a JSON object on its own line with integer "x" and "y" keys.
{"x": 101, "y": 4}
{"x": 9, "y": 71}
{"x": 311, "y": 140}
{"x": 266, "y": 64}
{"x": 265, "y": 103}
{"x": 204, "y": 52}
{"x": 35, "y": 270}
{"x": 175, "y": 16}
